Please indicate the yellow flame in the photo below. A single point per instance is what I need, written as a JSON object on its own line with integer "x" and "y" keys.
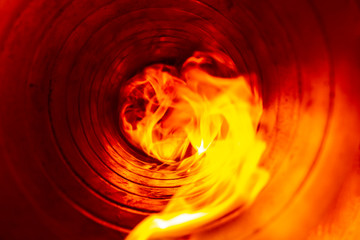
{"x": 202, "y": 120}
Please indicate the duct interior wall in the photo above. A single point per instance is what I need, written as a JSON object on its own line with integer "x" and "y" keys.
{"x": 67, "y": 172}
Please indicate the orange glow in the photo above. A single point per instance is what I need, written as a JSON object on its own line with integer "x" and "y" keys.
{"x": 200, "y": 120}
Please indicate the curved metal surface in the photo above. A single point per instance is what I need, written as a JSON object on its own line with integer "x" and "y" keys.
{"x": 68, "y": 173}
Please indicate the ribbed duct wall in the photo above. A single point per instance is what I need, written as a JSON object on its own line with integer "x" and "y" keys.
{"x": 67, "y": 172}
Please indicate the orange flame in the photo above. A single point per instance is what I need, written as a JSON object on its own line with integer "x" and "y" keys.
{"x": 203, "y": 121}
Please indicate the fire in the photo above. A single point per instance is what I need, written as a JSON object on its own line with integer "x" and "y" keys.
{"x": 201, "y": 120}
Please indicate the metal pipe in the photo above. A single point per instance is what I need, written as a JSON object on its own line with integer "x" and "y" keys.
{"x": 68, "y": 173}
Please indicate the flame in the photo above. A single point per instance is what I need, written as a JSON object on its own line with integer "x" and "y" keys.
{"x": 201, "y": 120}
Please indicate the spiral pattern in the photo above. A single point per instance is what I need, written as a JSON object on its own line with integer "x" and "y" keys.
{"x": 62, "y": 64}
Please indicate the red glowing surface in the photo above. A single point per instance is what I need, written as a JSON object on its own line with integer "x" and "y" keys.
{"x": 70, "y": 171}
